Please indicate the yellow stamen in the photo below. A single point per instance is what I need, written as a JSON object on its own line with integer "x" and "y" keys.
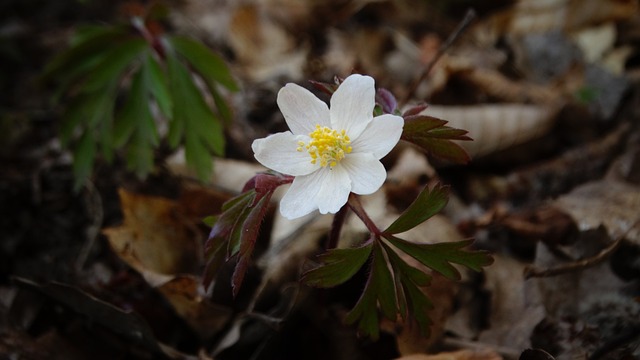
{"x": 327, "y": 146}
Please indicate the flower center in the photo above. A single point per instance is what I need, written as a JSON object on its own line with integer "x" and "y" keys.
{"x": 327, "y": 146}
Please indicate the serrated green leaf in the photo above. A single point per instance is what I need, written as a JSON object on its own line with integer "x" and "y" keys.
{"x": 440, "y": 256}
{"x": 434, "y": 137}
{"x": 249, "y": 236}
{"x": 158, "y": 84}
{"x": 84, "y": 53}
{"x": 134, "y": 110}
{"x": 83, "y": 158}
{"x": 427, "y": 204}
{"x": 198, "y": 156}
{"x": 221, "y": 105}
{"x": 115, "y": 61}
{"x": 136, "y": 128}
{"x": 88, "y": 110}
{"x": 179, "y": 117}
{"x": 232, "y": 217}
{"x": 215, "y": 256}
{"x": 209, "y": 65}
{"x": 379, "y": 290}
{"x": 194, "y": 120}
{"x": 338, "y": 266}
{"x": 413, "y": 302}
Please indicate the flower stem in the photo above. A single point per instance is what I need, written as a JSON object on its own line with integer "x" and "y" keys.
{"x": 356, "y": 206}
{"x": 336, "y": 227}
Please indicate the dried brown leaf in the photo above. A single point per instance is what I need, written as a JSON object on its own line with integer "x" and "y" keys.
{"x": 155, "y": 237}
{"x": 496, "y": 127}
{"x": 610, "y": 203}
{"x": 160, "y": 240}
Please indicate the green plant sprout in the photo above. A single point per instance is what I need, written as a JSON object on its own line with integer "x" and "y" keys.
{"x": 119, "y": 82}
{"x": 330, "y": 156}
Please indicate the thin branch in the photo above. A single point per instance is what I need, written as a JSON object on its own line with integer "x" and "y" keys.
{"x": 462, "y": 26}
{"x": 533, "y": 271}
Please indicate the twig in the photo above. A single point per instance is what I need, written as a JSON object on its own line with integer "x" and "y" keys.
{"x": 533, "y": 271}
{"x": 462, "y": 26}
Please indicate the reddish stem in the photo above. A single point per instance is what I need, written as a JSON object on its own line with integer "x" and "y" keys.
{"x": 336, "y": 227}
{"x": 356, "y": 206}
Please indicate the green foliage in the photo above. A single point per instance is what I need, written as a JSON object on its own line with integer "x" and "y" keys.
{"x": 235, "y": 231}
{"x": 434, "y": 137}
{"x": 339, "y": 265}
{"x": 427, "y": 204}
{"x": 394, "y": 286}
{"x": 112, "y": 79}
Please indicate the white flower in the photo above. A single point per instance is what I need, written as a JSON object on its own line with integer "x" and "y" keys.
{"x": 331, "y": 152}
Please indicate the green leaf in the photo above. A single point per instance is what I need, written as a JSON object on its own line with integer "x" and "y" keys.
{"x": 427, "y": 204}
{"x": 233, "y": 215}
{"x": 413, "y": 302}
{"x": 83, "y": 157}
{"x": 434, "y": 137}
{"x": 440, "y": 256}
{"x": 84, "y": 53}
{"x": 136, "y": 128}
{"x": 249, "y": 236}
{"x": 197, "y": 155}
{"x": 215, "y": 255}
{"x": 115, "y": 61}
{"x": 88, "y": 110}
{"x": 221, "y": 105}
{"x": 210, "y": 66}
{"x": 379, "y": 290}
{"x": 135, "y": 108}
{"x": 193, "y": 119}
{"x": 338, "y": 266}
{"x": 158, "y": 84}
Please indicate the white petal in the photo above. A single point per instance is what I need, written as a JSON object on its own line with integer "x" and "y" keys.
{"x": 352, "y": 105}
{"x": 335, "y": 189}
{"x": 382, "y": 134}
{"x": 367, "y": 173}
{"x": 325, "y": 189}
{"x": 278, "y": 152}
{"x": 301, "y": 109}
{"x": 299, "y": 200}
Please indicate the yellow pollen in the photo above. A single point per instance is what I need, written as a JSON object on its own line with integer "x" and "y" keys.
{"x": 327, "y": 146}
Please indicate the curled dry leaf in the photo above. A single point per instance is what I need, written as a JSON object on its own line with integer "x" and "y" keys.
{"x": 496, "y": 127}
{"x": 160, "y": 240}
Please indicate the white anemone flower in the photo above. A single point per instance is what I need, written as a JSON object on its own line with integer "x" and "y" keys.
{"x": 330, "y": 152}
